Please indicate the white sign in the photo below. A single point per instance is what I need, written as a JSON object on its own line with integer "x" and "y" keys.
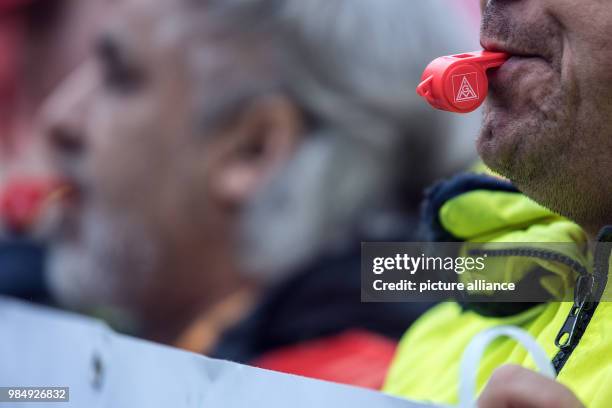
{"x": 45, "y": 348}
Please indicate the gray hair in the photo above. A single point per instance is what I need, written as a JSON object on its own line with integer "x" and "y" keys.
{"x": 353, "y": 66}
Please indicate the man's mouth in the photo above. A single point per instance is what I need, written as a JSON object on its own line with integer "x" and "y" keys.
{"x": 71, "y": 192}
{"x": 25, "y": 202}
{"x": 516, "y": 52}
{"x": 520, "y": 72}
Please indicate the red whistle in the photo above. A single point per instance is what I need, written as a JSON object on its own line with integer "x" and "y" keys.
{"x": 458, "y": 83}
{"x": 23, "y": 200}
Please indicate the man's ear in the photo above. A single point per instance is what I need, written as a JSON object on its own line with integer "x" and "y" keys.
{"x": 247, "y": 153}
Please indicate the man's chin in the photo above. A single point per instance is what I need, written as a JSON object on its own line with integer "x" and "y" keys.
{"x": 498, "y": 145}
{"x": 73, "y": 280}
{"x": 110, "y": 264}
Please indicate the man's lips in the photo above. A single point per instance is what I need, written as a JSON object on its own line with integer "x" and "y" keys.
{"x": 25, "y": 200}
{"x": 71, "y": 192}
{"x": 491, "y": 44}
{"x": 518, "y": 69}
{"x": 522, "y": 63}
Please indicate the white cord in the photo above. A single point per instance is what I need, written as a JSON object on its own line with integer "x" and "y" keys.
{"x": 473, "y": 354}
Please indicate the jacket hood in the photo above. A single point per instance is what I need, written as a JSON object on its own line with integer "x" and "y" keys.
{"x": 533, "y": 247}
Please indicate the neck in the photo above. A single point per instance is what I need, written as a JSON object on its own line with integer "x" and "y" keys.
{"x": 203, "y": 333}
{"x": 207, "y": 291}
{"x": 592, "y": 232}
{"x": 198, "y": 329}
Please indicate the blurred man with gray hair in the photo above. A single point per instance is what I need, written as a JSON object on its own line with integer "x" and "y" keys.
{"x": 217, "y": 148}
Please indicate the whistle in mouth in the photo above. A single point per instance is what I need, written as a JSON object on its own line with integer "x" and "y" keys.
{"x": 458, "y": 83}
{"x": 23, "y": 200}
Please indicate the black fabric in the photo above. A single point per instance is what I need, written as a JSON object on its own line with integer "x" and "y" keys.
{"x": 21, "y": 270}
{"x": 435, "y": 197}
{"x": 322, "y": 300}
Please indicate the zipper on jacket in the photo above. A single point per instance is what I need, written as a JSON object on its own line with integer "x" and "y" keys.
{"x": 576, "y": 322}
{"x": 587, "y": 296}
{"x": 546, "y": 255}
{"x": 587, "y": 293}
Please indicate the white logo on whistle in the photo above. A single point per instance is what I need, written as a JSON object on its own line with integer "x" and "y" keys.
{"x": 466, "y": 91}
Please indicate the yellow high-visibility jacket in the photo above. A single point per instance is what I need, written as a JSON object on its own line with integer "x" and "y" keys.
{"x": 476, "y": 208}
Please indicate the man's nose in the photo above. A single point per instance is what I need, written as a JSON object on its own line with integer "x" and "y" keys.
{"x": 66, "y": 114}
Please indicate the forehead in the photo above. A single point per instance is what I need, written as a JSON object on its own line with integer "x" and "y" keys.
{"x": 61, "y": 34}
{"x": 149, "y": 27}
